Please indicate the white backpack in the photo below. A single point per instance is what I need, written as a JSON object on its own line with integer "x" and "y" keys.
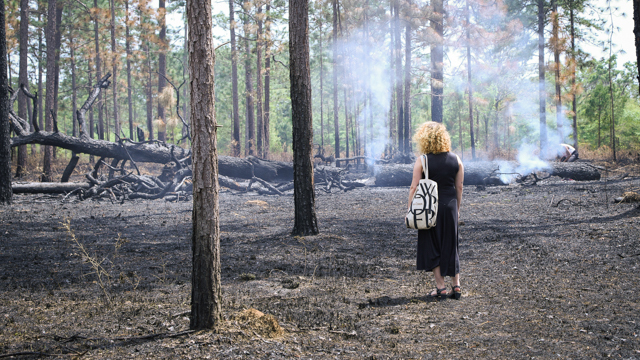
{"x": 424, "y": 206}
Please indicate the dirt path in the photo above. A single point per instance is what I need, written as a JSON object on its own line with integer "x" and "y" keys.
{"x": 541, "y": 278}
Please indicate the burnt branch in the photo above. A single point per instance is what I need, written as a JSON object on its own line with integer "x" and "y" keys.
{"x": 34, "y": 99}
{"x": 102, "y": 84}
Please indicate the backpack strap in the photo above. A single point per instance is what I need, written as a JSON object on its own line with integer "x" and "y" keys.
{"x": 425, "y": 165}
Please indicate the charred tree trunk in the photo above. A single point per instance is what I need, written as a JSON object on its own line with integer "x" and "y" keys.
{"x": 206, "y": 291}
{"x": 51, "y": 69}
{"x": 74, "y": 90}
{"x": 542, "y": 93}
{"x": 162, "y": 69}
{"x": 234, "y": 82}
{"x": 149, "y": 92}
{"x": 23, "y": 78}
{"x": 437, "y": 61}
{"x": 6, "y": 193}
{"x": 98, "y": 70}
{"x": 321, "y": 92}
{"x": 392, "y": 62}
{"x": 58, "y": 42}
{"x": 40, "y": 92}
{"x": 336, "y": 125}
{"x": 305, "y": 222}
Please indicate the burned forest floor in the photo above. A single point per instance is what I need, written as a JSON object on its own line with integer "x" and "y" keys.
{"x": 548, "y": 271}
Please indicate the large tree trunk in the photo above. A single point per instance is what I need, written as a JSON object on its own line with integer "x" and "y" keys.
{"x": 149, "y": 101}
{"x": 541, "y": 79}
{"x": 5, "y": 137}
{"x": 40, "y": 92}
{"x": 321, "y": 92}
{"x": 206, "y": 291}
{"x": 336, "y": 125}
{"x": 249, "y": 148}
{"x": 305, "y": 222}
{"x": 58, "y": 42}
{"x": 127, "y": 45}
{"x": 23, "y": 79}
{"x": 162, "y": 69}
{"x": 392, "y": 77}
{"x": 74, "y": 90}
{"x": 234, "y": 82}
{"x": 437, "y": 61}
{"x": 51, "y": 69}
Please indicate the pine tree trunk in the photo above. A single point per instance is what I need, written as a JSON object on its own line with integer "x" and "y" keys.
{"x": 399, "y": 102}
{"x": 74, "y": 90}
{"x": 469, "y": 84}
{"x": 162, "y": 68}
{"x": 23, "y": 78}
{"x": 541, "y": 80}
{"x": 249, "y": 148}
{"x": 128, "y": 54}
{"x": 206, "y": 291}
{"x": 636, "y": 33}
{"x": 336, "y": 125}
{"x": 114, "y": 59}
{"x": 6, "y": 192}
{"x": 321, "y": 93}
{"x": 98, "y": 73}
{"x": 574, "y": 105}
{"x": 234, "y": 81}
{"x": 50, "y": 34}
{"x": 40, "y": 85}
{"x": 58, "y": 42}
{"x": 407, "y": 82}
{"x": 149, "y": 92}
{"x": 267, "y": 85}
{"x": 305, "y": 222}
{"x": 259, "y": 125}
{"x": 392, "y": 62}
{"x": 437, "y": 59}
{"x": 556, "y": 59}
{"x": 91, "y": 123}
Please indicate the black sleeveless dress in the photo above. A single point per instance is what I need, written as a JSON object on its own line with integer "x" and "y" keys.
{"x": 438, "y": 246}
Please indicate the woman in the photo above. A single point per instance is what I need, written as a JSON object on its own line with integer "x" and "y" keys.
{"x": 438, "y": 246}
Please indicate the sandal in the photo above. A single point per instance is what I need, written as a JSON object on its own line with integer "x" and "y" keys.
{"x": 456, "y": 292}
{"x": 440, "y": 294}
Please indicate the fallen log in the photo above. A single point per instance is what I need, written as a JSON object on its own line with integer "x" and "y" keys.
{"x": 47, "y": 188}
{"x": 489, "y": 172}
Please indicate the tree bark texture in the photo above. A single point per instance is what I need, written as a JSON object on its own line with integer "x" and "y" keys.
{"x": 556, "y": 60}
{"x": 234, "y": 81}
{"x": 23, "y": 78}
{"x": 114, "y": 59}
{"x": 206, "y": 292}
{"x": 469, "y": 84}
{"x": 51, "y": 69}
{"x": 437, "y": 61}
{"x": 266, "y": 148}
{"x": 74, "y": 90}
{"x": 574, "y": 105}
{"x": 259, "y": 125}
{"x": 305, "y": 222}
{"x": 5, "y": 140}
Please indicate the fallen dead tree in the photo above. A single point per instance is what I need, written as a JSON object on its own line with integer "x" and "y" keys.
{"x": 488, "y": 173}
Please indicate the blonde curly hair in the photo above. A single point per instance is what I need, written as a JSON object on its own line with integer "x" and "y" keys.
{"x": 432, "y": 138}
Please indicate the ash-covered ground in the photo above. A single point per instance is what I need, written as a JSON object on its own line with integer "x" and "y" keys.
{"x": 548, "y": 271}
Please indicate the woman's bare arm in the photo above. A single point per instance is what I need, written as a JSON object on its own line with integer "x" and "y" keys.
{"x": 459, "y": 182}
{"x": 417, "y": 175}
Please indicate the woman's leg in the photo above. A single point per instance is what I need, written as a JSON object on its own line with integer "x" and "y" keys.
{"x": 455, "y": 280}
{"x": 439, "y": 281}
